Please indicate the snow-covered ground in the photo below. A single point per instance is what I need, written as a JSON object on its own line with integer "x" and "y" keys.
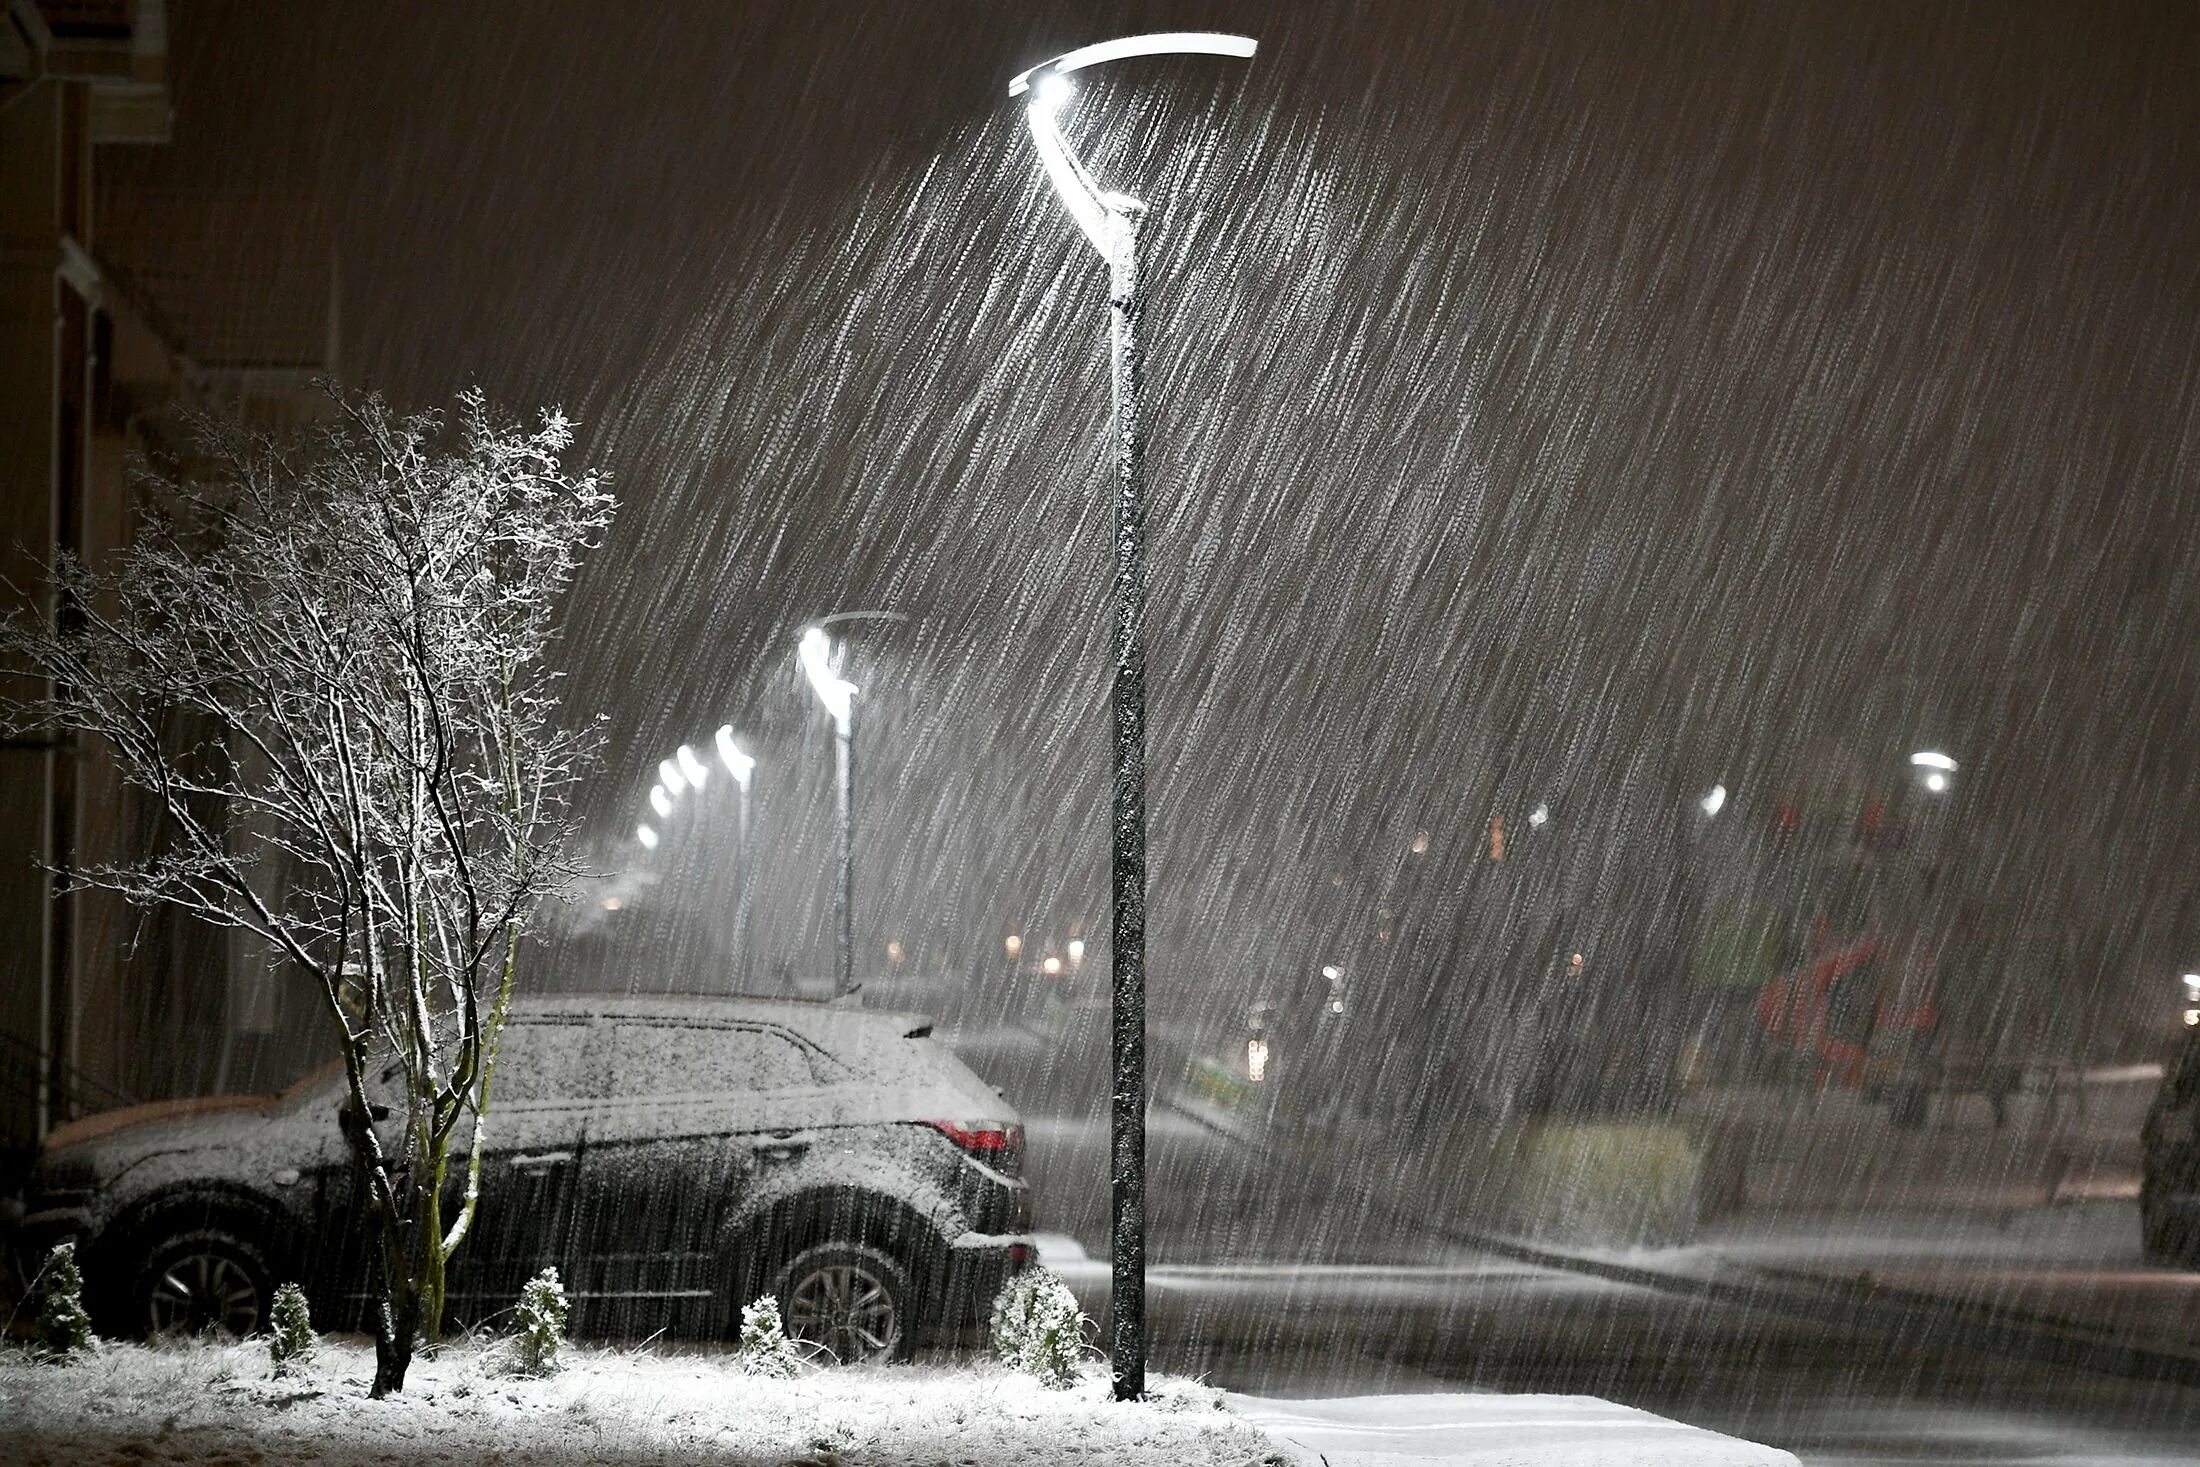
{"x": 215, "y": 1404}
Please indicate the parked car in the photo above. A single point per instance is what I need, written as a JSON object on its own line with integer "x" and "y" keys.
{"x": 2169, "y": 1179}
{"x": 674, "y": 1158}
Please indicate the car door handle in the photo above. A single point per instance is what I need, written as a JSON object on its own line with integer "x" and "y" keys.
{"x": 540, "y": 1160}
{"x": 781, "y": 1150}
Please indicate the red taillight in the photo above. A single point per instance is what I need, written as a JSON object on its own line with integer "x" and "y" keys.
{"x": 998, "y": 1146}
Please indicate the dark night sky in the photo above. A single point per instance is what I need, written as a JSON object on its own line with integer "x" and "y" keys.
{"x": 1599, "y": 399}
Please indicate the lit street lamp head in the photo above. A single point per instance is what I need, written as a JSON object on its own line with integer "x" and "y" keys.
{"x": 738, "y": 764}
{"x": 835, "y": 691}
{"x": 1158, "y": 43}
{"x": 1097, "y": 210}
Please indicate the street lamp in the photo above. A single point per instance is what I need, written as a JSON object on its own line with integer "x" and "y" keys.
{"x": 1111, "y": 222}
{"x": 839, "y": 697}
{"x": 742, "y": 767}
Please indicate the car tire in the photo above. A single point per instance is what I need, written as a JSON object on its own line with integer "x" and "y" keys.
{"x": 209, "y": 1279}
{"x": 848, "y": 1299}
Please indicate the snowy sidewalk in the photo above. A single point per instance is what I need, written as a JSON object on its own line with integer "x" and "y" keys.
{"x": 1492, "y": 1430}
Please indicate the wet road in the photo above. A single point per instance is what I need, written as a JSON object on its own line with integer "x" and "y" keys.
{"x": 1366, "y": 1302}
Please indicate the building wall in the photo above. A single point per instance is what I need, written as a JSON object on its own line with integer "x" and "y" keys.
{"x": 100, "y": 1002}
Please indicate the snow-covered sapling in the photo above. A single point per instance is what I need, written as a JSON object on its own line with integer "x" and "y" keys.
{"x": 290, "y": 1340}
{"x": 1038, "y": 1328}
{"x": 542, "y": 1309}
{"x": 281, "y": 593}
{"x": 765, "y": 1349}
{"x": 64, "y": 1329}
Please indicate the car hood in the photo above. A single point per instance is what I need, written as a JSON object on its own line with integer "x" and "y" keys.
{"x": 115, "y": 1139}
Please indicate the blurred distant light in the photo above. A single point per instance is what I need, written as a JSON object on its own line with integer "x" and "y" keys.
{"x": 1256, "y": 1060}
{"x": 611, "y": 904}
{"x": 1932, "y": 759}
{"x": 1077, "y": 949}
{"x": 1014, "y": 944}
{"x": 1050, "y": 965}
{"x": 1420, "y": 844}
{"x": 646, "y": 836}
{"x": 692, "y": 767}
{"x": 668, "y": 773}
{"x": 738, "y": 764}
{"x": 660, "y": 801}
{"x": 1714, "y": 802}
{"x": 893, "y": 952}
{"x": 1336, "y": 1006}
{"x": 2192, "y": 982}
{"x": 1540, "y": 816}
{"x": 2192, "y": 1018}
{"x": 1936, "y": 781}
{"x": 1575, "y": 965}
{"x": 1332, "y": 972}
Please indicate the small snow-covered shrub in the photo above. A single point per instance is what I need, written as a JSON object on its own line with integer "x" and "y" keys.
{"x": 64, "y": 1329}
{"x": 290, "y": 1338}
{"x": 1038, "y": 1328}
{"x": 765, "y": 1349}
{"x": 542, "y": 1309}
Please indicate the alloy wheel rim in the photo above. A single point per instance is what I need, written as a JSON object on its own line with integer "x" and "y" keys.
{"x": 846, "y": 1308}
{"x": 202, "y": 1291}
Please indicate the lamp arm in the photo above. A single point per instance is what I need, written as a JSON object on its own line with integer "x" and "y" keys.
{"x": 1081, "y": 195}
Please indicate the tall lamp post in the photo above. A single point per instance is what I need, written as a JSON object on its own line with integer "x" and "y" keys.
{"x": 1111, "y": 221}
{"x": 839, "y": 697}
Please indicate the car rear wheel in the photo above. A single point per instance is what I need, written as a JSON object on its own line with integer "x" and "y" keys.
{"x": 209, "y": 1281}
{"x": 849, "y": 1299}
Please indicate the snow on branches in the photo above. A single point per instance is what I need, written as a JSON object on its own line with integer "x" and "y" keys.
{"x": 321, "y": 666}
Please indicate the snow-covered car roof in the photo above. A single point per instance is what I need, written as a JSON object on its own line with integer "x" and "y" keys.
{"x": 828, "y": 1025}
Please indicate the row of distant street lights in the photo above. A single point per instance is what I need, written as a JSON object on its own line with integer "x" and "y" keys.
{"x": 685, "y": 770}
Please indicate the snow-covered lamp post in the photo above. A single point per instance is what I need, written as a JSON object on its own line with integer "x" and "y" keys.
{"x": 839, "y": 697}
{"x": 1111, "y": 221}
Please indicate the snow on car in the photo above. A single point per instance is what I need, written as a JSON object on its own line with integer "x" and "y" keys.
{"x": 674, "y": 1158}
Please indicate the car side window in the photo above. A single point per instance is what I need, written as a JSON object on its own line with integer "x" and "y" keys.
{"x": 544, "y": 1062}
{"x": 686, "y": 1059}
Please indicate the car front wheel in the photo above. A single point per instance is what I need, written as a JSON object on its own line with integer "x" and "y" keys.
{"x": 210, "y": 1281}
{"x": 847, "y": 1298}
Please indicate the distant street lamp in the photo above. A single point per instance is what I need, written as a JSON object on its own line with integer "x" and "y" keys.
{"x": 1111, "y": 221}
{"x": 839, "y": 697}
{"x": 1936, "y": 766}
{"x": 742, "y": 767}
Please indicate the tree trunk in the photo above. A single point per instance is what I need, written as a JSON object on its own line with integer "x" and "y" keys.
{"x": 433, "y": 1261}
{"x": 395, "y": 1322}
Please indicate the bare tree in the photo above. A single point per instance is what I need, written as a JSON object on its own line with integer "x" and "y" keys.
{"x": 323, "y": 660}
